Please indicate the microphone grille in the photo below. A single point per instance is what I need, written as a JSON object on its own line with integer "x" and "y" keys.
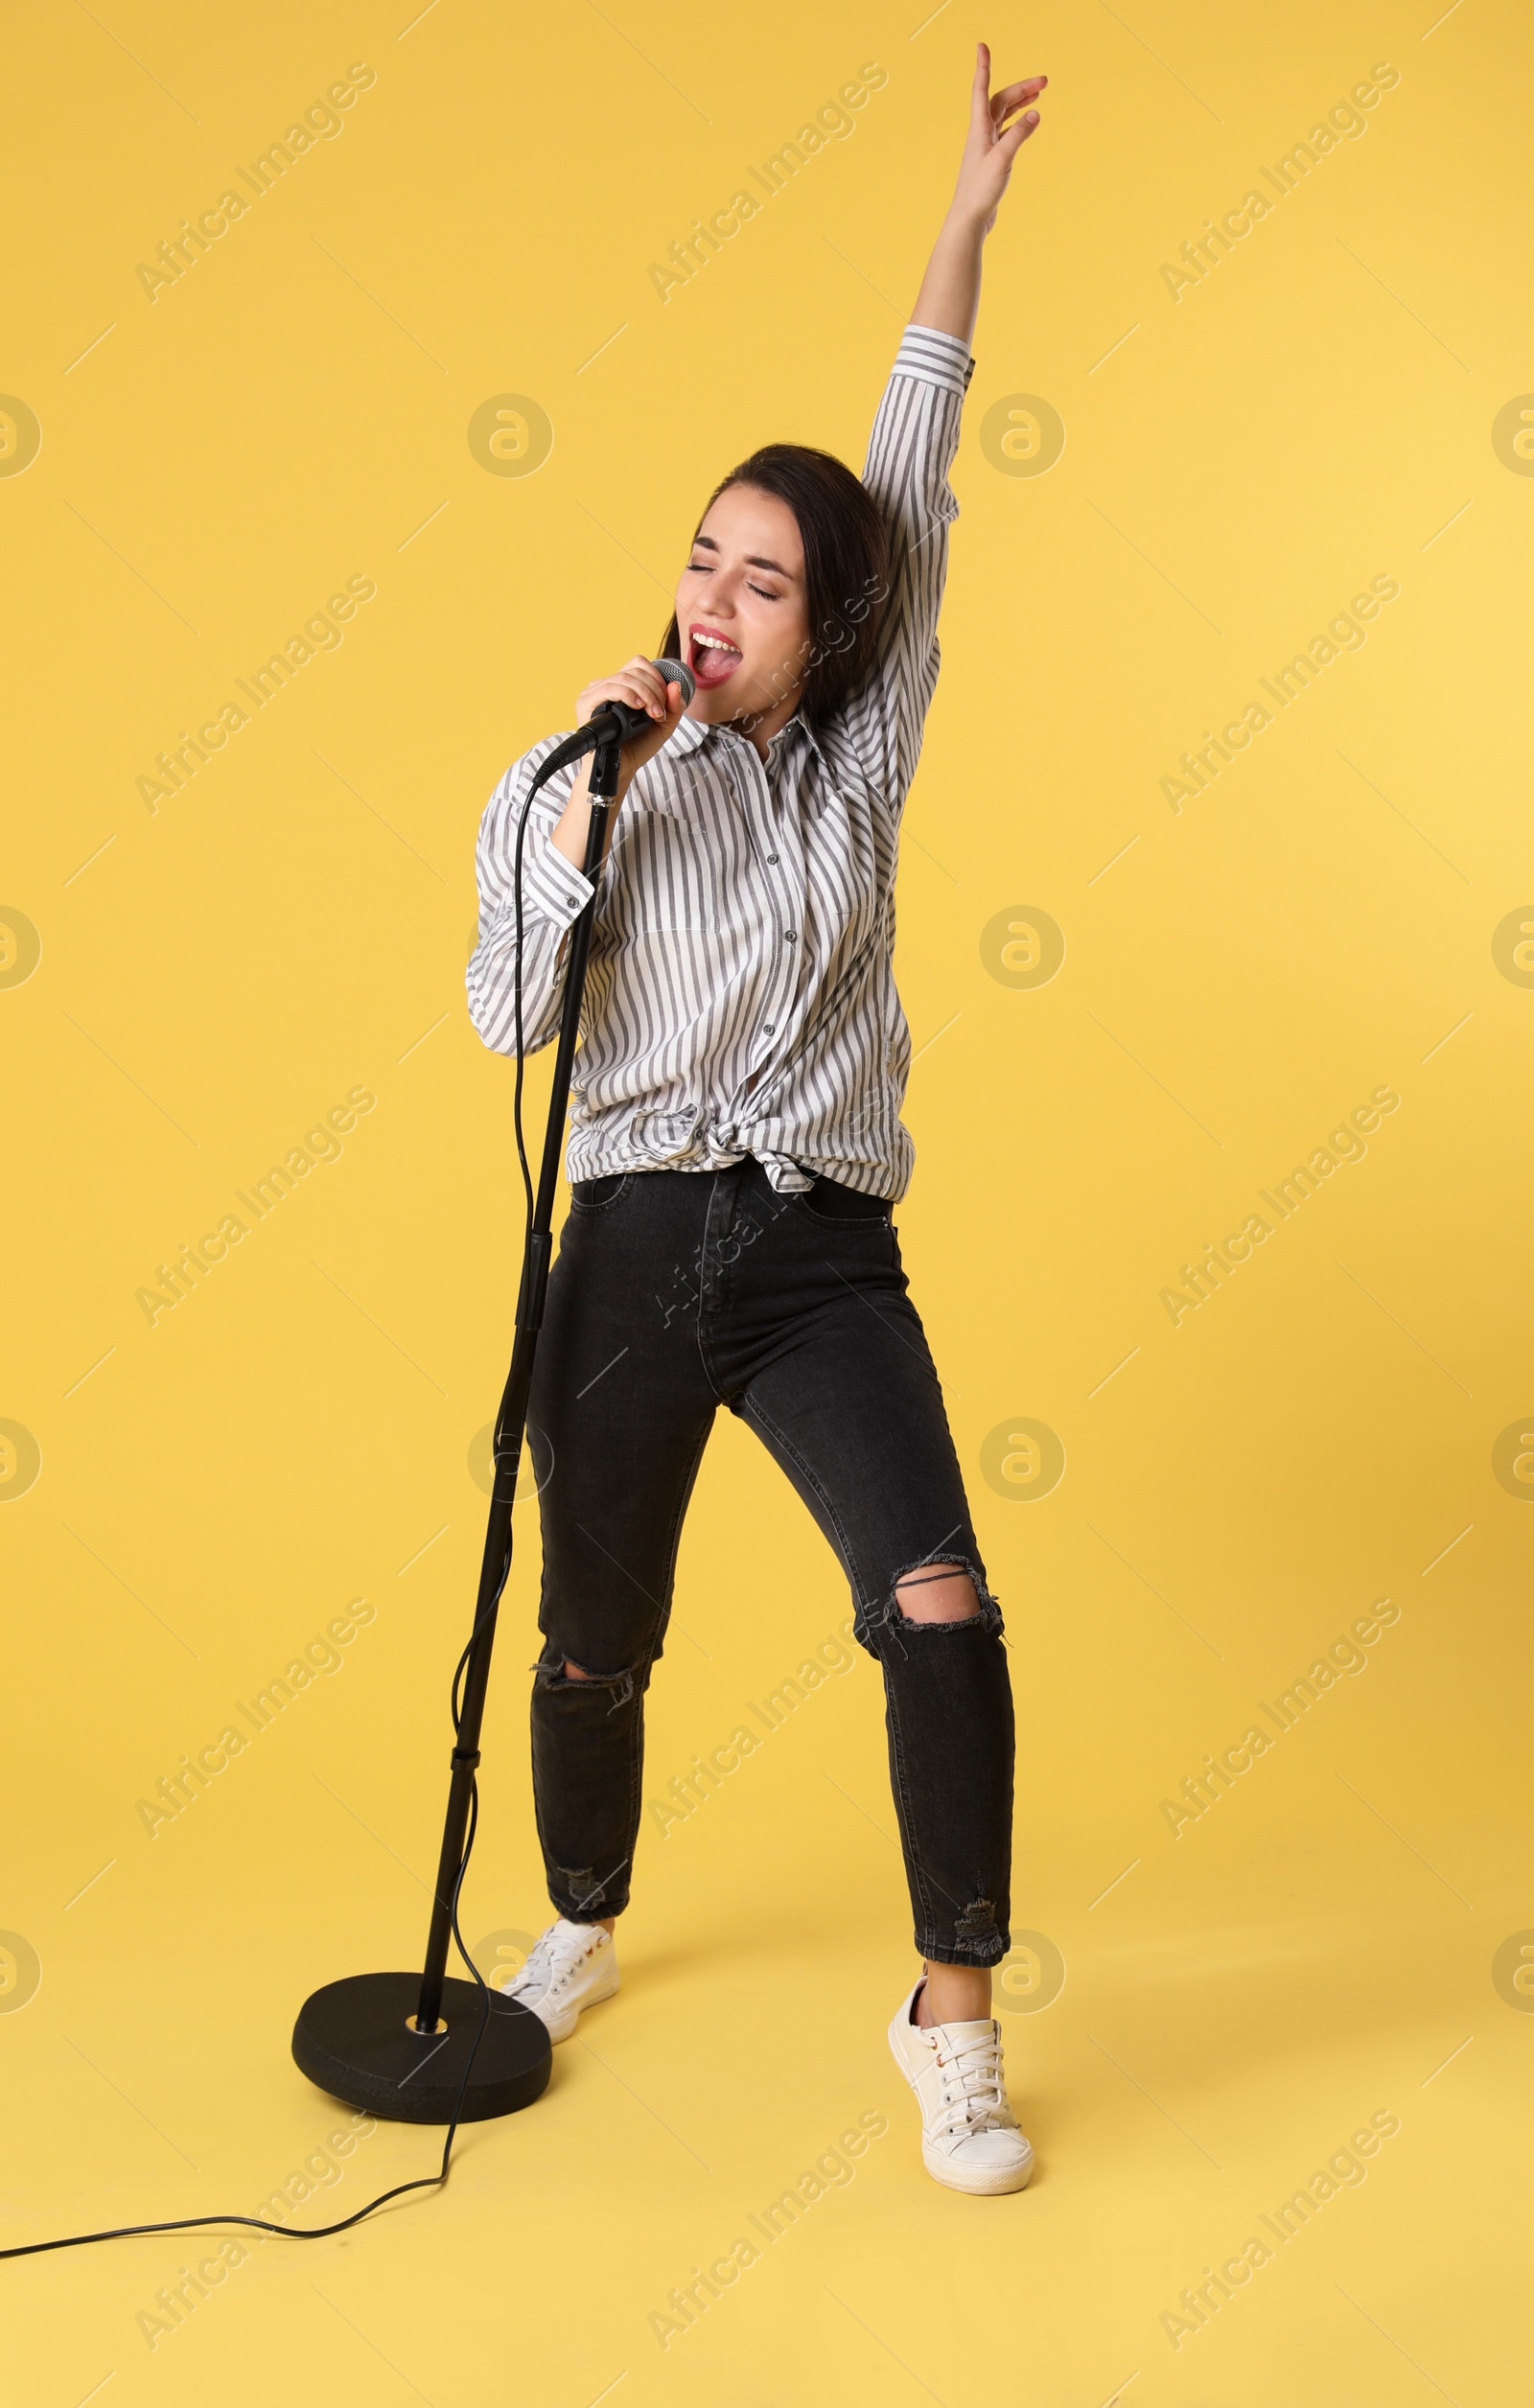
{"x": 678, "y": 673}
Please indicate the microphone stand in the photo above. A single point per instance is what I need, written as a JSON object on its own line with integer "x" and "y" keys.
{"x": 428, "y": 2049}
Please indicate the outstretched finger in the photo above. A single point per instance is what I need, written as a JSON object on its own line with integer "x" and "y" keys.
{"x": 1013, "y": 95}
{"x": 980, "y": 90}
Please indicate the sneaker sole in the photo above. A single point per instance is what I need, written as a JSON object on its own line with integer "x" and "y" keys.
{"x": 979, "y": 2187}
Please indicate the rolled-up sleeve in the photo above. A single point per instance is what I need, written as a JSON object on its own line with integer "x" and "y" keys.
{"x": 553, "y": 895}
{"x": 916, "y": 436}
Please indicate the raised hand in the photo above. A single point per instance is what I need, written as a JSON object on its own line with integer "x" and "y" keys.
{"x": 997, "y": 132}
{"x": 1000, "y": 122}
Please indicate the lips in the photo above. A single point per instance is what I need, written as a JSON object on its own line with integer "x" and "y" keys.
{"x": 711, "y": 657}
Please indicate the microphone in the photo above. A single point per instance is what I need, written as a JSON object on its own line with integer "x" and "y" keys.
{"x": 615, "y": 723}
{"x": 634, "y": 723}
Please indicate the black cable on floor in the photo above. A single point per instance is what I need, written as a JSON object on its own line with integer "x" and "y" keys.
{"x": 556, "y": 760}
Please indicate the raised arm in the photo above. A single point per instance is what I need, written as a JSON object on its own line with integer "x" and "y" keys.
{"x": 916, "y": 432}
{"x": 950, "y": 290}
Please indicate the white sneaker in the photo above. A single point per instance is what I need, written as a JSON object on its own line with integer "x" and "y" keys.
{"x": 969, "y": 2135}
{"x": 573, "y": 1965}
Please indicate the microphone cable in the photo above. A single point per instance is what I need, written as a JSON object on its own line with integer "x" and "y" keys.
{"x": 568, "y": 749}
{"x": 316, "y": 2231}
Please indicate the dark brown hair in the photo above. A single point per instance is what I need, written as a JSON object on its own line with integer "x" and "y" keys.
{"x": 845, "y": 567}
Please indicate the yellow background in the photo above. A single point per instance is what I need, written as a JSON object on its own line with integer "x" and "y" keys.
{"x": 215, "y": 975}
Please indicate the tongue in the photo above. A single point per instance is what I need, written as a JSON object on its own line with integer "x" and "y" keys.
{"x": 710, "y": 665}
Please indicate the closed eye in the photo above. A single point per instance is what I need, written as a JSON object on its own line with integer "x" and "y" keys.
{"x": 705, "y": 569}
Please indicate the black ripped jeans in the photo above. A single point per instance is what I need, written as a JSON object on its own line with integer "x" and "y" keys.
{"x": 675, "y": 1292}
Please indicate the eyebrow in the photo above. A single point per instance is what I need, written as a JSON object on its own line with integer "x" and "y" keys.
{"x": 753, "y": 560}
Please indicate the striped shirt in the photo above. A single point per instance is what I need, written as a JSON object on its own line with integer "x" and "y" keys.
{"x": 740, "y": 994}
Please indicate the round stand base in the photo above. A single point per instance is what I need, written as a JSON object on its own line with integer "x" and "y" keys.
{"x": 357, "y": 2039}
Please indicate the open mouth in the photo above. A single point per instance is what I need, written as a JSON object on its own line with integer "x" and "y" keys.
{"x": 711, "y": 657}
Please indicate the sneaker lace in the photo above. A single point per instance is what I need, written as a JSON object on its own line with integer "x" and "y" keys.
{"x": 549, "y": 1958}
{"x": 974, "y": 2089}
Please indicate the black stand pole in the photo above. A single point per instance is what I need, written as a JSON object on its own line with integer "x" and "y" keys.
{"x": 395, "y": 2044}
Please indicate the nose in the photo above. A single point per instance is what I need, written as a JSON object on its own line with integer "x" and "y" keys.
{"x": 719, "y": 602}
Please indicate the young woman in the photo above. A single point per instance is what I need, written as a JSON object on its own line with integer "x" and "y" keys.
{"x": 734, "y": 1155}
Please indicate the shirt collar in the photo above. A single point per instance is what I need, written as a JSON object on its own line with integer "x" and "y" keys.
{"x": 692, "y": 733}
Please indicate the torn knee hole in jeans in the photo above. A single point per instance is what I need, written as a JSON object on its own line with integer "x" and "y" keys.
{"x": 556, "y": 1671}
{"x": 936, "y": 1595}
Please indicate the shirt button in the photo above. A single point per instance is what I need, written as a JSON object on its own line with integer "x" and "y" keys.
{"x": 791, "y": 938}
{"x": 766, "y": 1027}
{"x": 772, "y": 858}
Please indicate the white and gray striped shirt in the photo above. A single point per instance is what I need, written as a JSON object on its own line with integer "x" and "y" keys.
{"x": 740, "y": 996}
